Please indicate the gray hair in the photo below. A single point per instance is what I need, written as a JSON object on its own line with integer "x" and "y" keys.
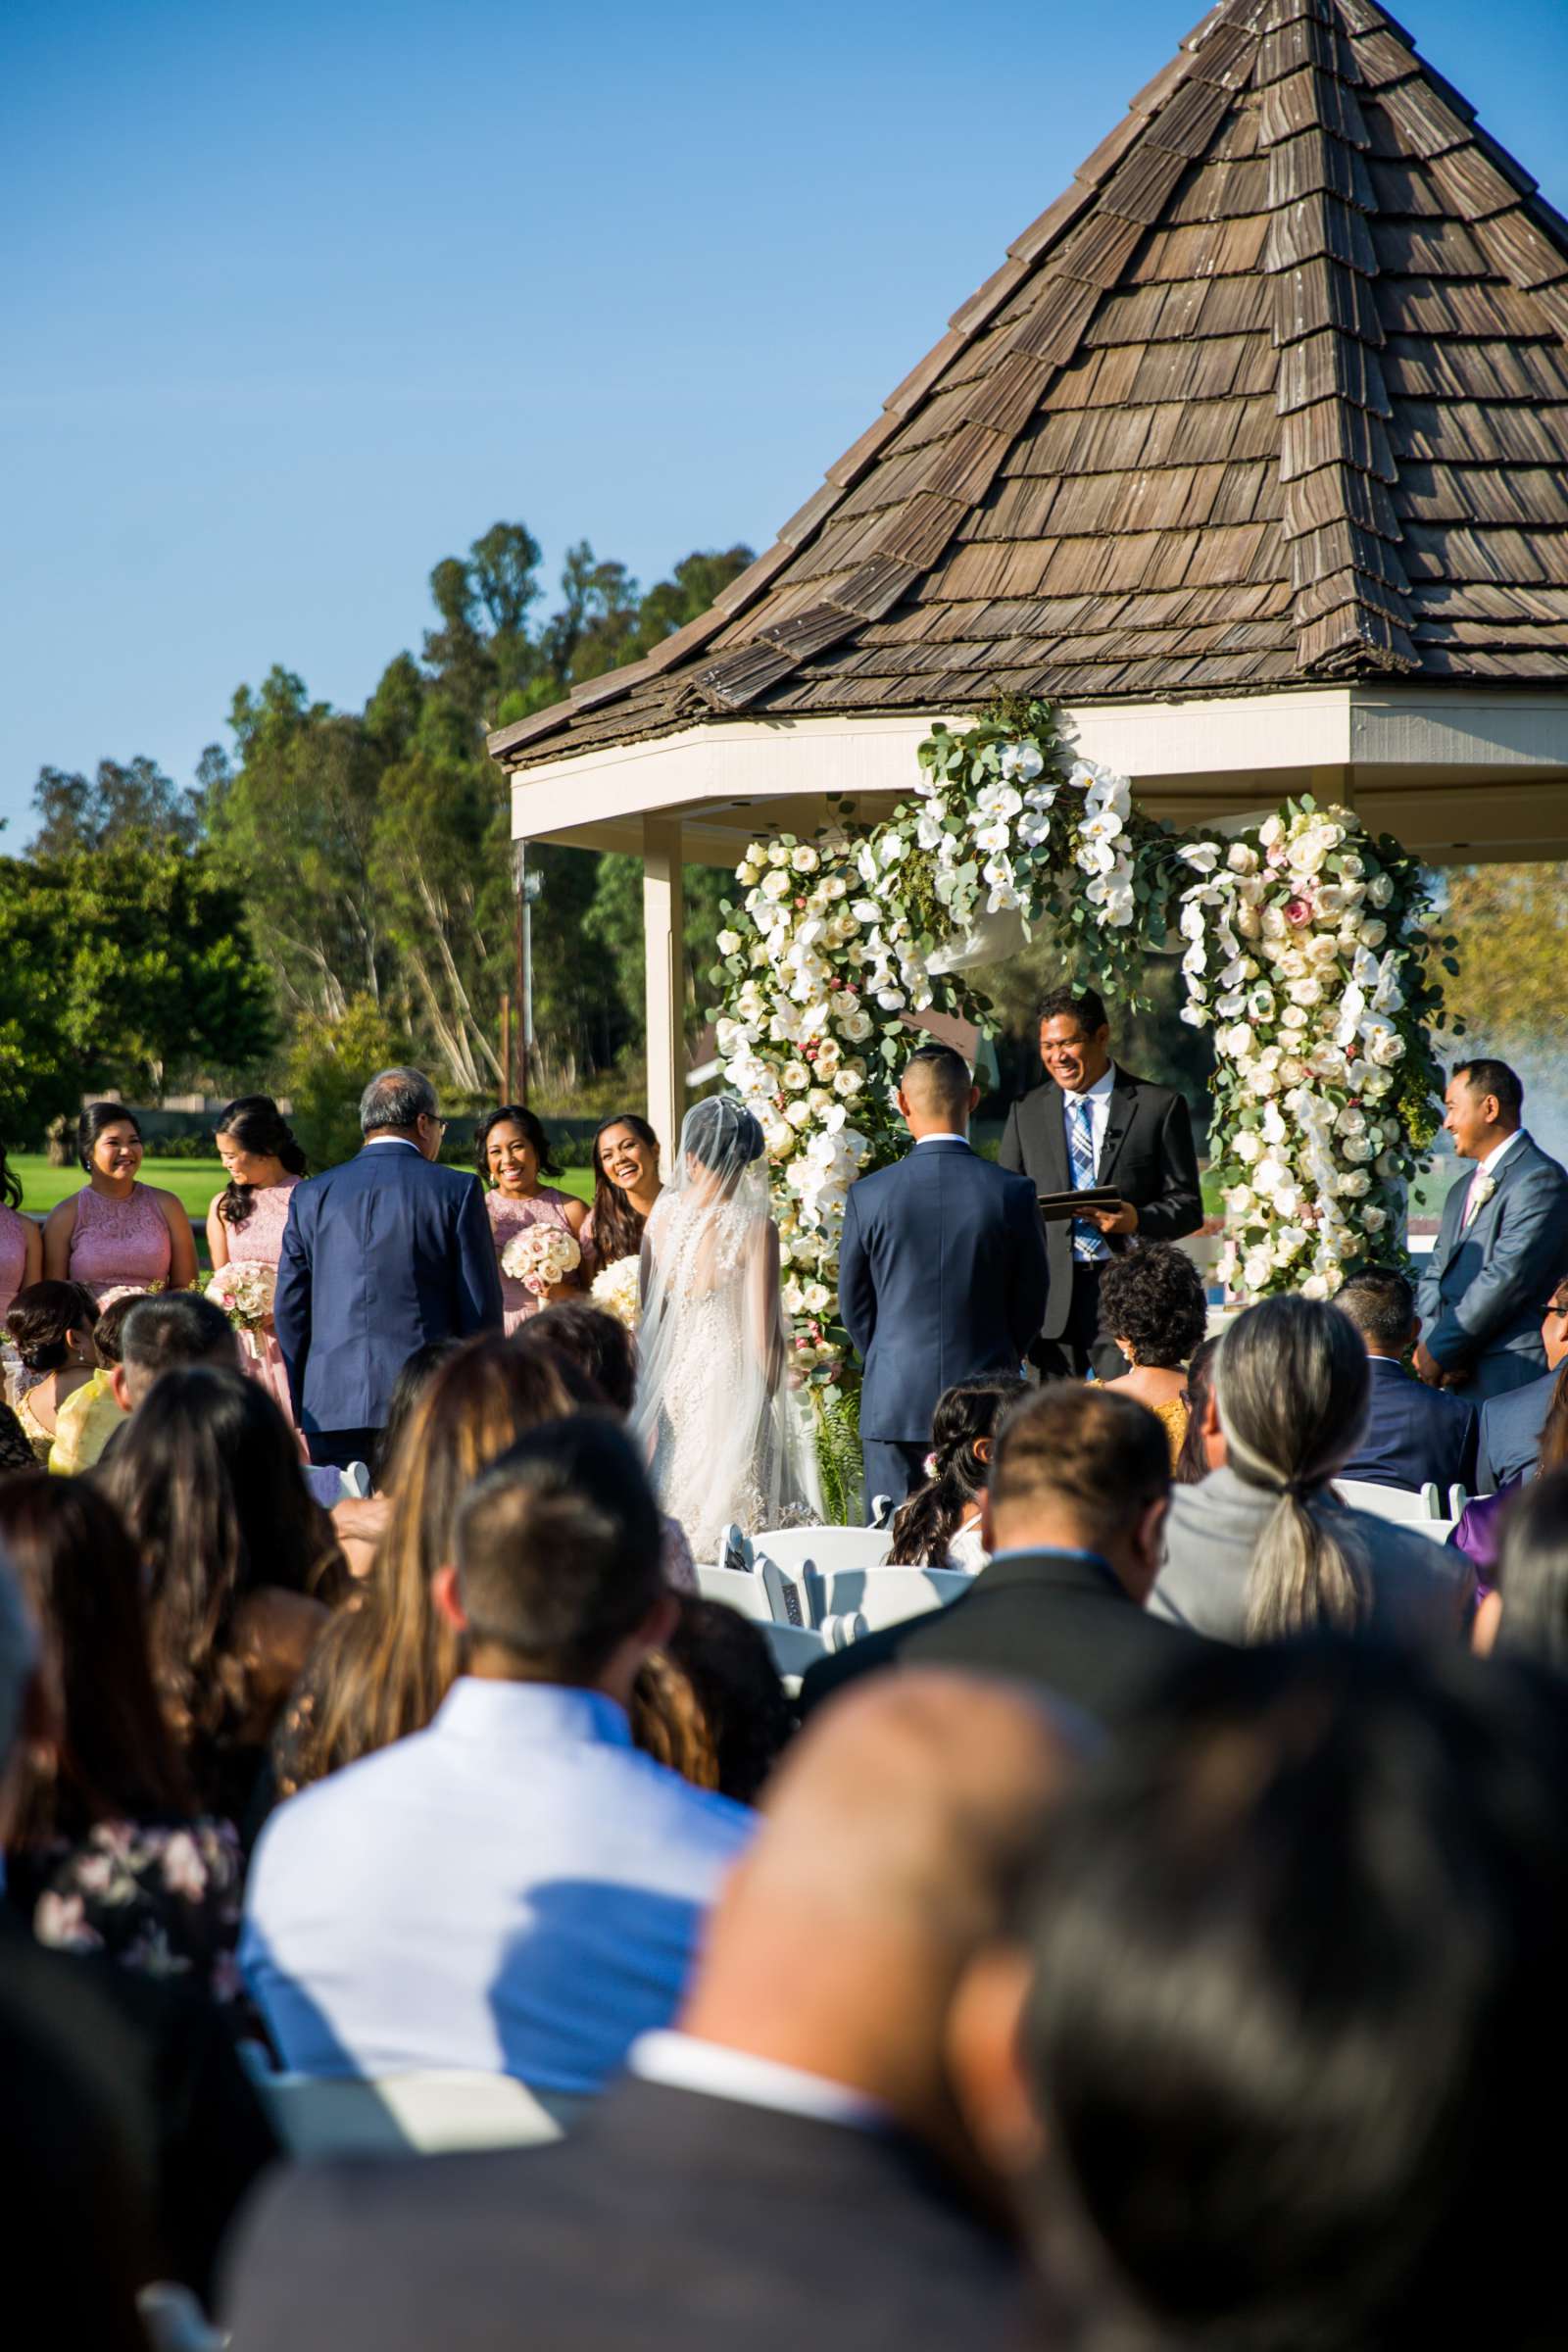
{"x": 1291, "y": 1385}
{"x": 396, "y": 1099}
{"x": 18, "y": 1655}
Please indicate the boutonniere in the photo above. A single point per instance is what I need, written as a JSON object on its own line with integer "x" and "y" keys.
{"x": 1486, "y": 1186}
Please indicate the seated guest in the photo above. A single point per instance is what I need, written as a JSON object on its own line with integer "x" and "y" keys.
{"x": 1296, "y": 1956}
{"x": 385, "y": 1663}
{"x": 1203, "y": 1438}
{"x": 1263, "y": 1548}
{"x": 362, "y": 1520}
{"x": 601, "y": 1346}
{"x": 1526, "y": 1614}
{"x": 710, "y": 1703}
{"x": 90, "y": 1416}
{"x": 163, "y": 2060}
{"x": 939, "y": 1527}
{"x": 1151, "y": 1301}
{"x": 786, "y": 2167}
{"x": 207, "y": 1478}
{"x": 514, "y": 1889}
{"x": 50, "y": 1324}
{"x": 1511, "y": 1425}
{"x": 1414, "y": 1435}
{"x": 180, "y": 1329}
{"x": 1073, "y": 1520}
{"x": 103, "y": 1849}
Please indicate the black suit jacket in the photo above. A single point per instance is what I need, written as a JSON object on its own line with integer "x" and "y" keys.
{"x": 1148, "y": 1154}
{"x": 668, "y": 2218}
{"x": 1414, "y": 1434}
{"x": 1510, "y": 1433}
{"x": 1058, "y": 1618}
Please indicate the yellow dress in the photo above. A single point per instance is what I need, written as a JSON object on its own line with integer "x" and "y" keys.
{"x": 83, "y": 1426}
{"x": 1174, "y": 1416}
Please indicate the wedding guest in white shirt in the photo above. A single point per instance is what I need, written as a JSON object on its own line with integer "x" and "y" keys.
{"x": 1501, "y": 1247}
{"x": 788, "y": 2167}
{"x": 514, "y": 1889}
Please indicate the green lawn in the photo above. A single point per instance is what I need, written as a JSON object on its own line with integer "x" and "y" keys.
{"x": 192, "y": 1181}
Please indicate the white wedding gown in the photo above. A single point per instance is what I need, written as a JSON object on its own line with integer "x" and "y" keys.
{"x": 724, "y": 1434}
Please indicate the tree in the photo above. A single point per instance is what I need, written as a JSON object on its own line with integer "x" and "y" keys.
{"x": 330, "y": 1062}
{"x": 1510, "y": 932}
{"x": 136, "y": 802}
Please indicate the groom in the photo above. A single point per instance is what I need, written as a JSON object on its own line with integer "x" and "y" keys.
{"x": 941, "y": 1272}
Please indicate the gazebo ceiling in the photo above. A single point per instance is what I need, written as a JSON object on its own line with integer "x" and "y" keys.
{"x": 1275, "y": 396}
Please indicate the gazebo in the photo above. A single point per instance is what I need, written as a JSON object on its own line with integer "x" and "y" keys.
{"x": 1250, "y": 456}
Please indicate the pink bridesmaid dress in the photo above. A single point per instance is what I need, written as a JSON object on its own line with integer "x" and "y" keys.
{"x": 260, "y": 1237}
{"x": 508, "y": 1218}
{"x": 120, "y": 1245}
{"x": 14, "y": 1231}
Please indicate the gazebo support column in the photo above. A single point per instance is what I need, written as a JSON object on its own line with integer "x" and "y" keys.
{"x": 663, "y": 921}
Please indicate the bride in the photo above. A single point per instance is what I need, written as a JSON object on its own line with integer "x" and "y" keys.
{"x": 720, "y": 1426}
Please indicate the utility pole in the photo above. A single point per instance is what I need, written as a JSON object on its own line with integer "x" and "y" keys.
{"x": 528, "y": 886}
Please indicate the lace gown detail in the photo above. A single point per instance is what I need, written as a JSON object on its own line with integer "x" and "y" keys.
{"x": 260, "y": 1237}
{"x": 120, "y": 1245}
{"x": 509, "y": 1218}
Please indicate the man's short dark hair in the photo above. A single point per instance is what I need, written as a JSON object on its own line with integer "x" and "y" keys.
{"x": 1298, "y": 1939}
{"x": 396, "y": 1099}
{"x": 1484, "y": 1077}
{"x": 179, "y": 1328}
{"x": 559, "y": 1550}
{"x": 1381, "y": 1303}
{"x": 1104, "y": 1459}
{"x": 1084, "y": 1005}
{"x": 941, "y": 1075}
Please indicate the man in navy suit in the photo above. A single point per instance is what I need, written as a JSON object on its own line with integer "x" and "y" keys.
{"x": 1512, "y": 1425}
{"x": 380, "y": 1257}
{"x": 1414, "y": 1435}
{"x": 1501, "y": 1247}
{"x": 941, "y": 1272}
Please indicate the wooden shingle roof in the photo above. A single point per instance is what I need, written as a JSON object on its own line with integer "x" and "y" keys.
{"x": 1275, "y": 392}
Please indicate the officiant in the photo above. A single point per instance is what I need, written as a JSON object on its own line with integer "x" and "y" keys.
{"x": 1093, "y": 1127}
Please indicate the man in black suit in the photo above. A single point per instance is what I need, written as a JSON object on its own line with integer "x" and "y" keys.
{"x": 1074, "y": 1521}
{"x": 1512, "y": 1424}
{"x": 787, "y": 2169}
{"x": 1414, "y": 1435}
{"x": 1094, "y": 1126}
{"x": 941, "y": 1272}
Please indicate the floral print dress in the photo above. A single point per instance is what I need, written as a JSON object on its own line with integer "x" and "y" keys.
{"x": 162, "y": 1899}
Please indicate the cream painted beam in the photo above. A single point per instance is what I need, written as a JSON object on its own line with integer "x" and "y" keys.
{"x": 664, "y": 981}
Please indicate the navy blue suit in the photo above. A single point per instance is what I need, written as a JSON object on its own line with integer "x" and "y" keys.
{"x": 1511, "y": 1434}
{"x": 378, "y": 1258}
{"x": 1414, "y": 1434}
{"x": 941, "y": 1277}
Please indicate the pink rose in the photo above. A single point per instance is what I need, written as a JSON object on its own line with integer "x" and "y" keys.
{"x": 1299, "y": 910}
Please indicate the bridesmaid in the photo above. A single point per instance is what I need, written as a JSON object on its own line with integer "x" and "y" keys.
{"x": 21, "y": 1240}
{"x": 512, "y": 1152}
{"x": 50, "y": 1325}
{"x": 116, "y": 1234}
{"x": 264, "y": 1163}
{"x": 626, "y": 1184}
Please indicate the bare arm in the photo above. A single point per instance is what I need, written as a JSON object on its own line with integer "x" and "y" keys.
{"x": 57, "y": 1230}
{"x": 31, "y": 1254}
{"x": 217, "y": 1234}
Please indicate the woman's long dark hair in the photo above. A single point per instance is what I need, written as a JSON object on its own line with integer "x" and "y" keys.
{"x": 617, "y": 1227}
{"x": 256, "y": 1125}
{"x": 207, "y": 1476}
{"x": 10, "y": 1182}
{"x": 42, "y": 1318}
{"x": 966, "y": 1415}
{"x": 1192, "y": 1463}
{"x": 116, "y": 1760}
{"x": 514, "y": 1116}
{"x": 92, "y": 1122}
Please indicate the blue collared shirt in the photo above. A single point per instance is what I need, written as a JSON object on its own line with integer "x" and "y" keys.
{"x": 516, "y": 1889}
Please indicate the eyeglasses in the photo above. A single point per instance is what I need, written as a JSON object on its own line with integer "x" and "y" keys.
{"x": 1554, "y": 1306}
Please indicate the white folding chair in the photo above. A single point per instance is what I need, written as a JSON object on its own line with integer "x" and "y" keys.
{"x": 738, "y": 1590}
{"x": 882, "y": 1596}
{"x": 1389, "y": 1502}
{"x": 822, "y": 1547}
{"x": 416, "y": 2114}
{"x": 1458, "y": 1502}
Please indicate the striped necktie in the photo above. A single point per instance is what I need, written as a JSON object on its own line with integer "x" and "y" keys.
{"x": 1087, "y": 1241}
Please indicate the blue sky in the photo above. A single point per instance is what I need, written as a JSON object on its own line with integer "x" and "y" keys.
{"x": 300, "y": 299}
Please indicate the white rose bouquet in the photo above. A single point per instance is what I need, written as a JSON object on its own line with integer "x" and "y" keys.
{"x": 244, "y": 1290}
{"x": 618, "y": 1291}
{"x": 539, "y": 1258}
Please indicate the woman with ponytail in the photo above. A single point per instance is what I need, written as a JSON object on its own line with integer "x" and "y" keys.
{"x": 1263, "y": 1549}
{"x": 939, "y": 1527}
{"x": 245, "y": 1222}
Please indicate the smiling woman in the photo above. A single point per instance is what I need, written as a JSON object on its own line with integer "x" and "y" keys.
{"x": 626, "y": 1184}
{"x": 511, "y": 1152}
{"x": 117, "y": 1233}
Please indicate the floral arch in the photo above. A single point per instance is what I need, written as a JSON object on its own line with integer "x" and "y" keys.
{"x": 1306, "y": 951}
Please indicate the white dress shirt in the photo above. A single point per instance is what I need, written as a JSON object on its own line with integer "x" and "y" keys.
{"x": 1098, "y": 1097}
{"x": 516, "y": 1890}
{"x": 685, "y": 2062}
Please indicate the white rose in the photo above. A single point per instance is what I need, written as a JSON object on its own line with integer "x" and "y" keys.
{"x": 846, "y": 1082}
{"x": 1238, "y": 1199}
{"x": 746, "y": 874}
{"x": 1371, "y": 934}
{"x": 819, "y": 1101}
{"x": 776, "y": 885}
{"x": 1356, "y": 1149}
{"x": 1329, "y": 902}
{"x": 1351, "y": 1120}
{"x": 1292, "y": 1070}
{"x": 792, "y": 1298}
{"x": 1240, "y": 859}
{"x": 1353, "y": 1184}
{"x": 795, "y": 1076}
{"x": 1374, "y": 1219}
{"x": 729, "y": 943}
{"x": 1269, "y": 1173}
{"x": 1386, "y": 1048}
{"x": 799, "y": 1112}
{"x": 1248, "y": 1147}
{"x": 778, "y": 853}
{"x": 1263, "y": 1080}
{"x": 1380, "y": 890}
{"x": 818, "y": 1298}
{"x": 855, "y": 1025}
{"x": 1256, "y": 1268}
{"x": 1316, "y": 1286}
{"x": 1352, "y": 866}
{"x": 1271, "y": 832}
{"x": 1293, "y": 1017}
{"x": 1292, "y": 964}
{"x": 1235, "y": 1042}
{"x": 804, "y": 859}
{"x": 1288, "y": 1242}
